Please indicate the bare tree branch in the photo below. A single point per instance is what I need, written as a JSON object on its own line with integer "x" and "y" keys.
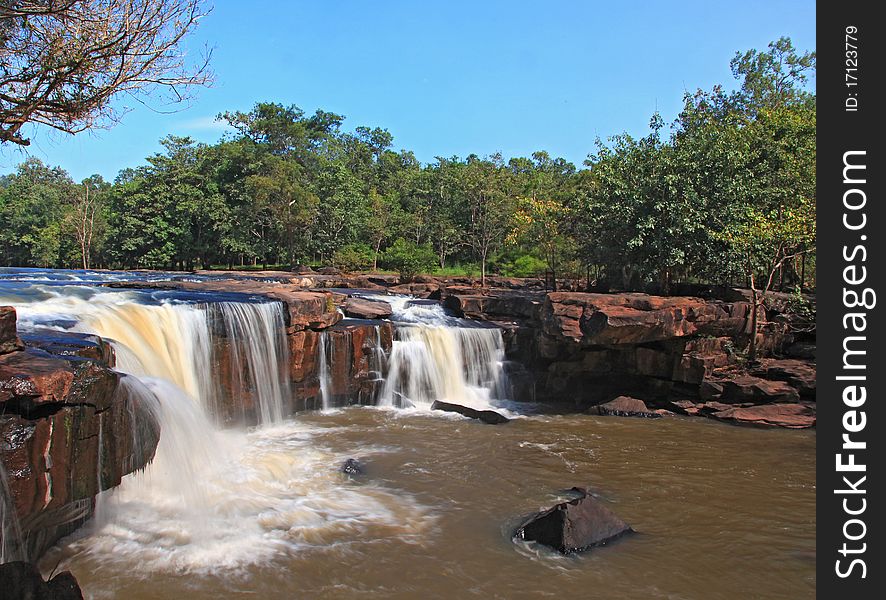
{"x": 63, "y": 62}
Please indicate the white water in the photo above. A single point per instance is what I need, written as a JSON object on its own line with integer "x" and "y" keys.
{"x": 323, "y": 368}
{"x": 214, "y": 500}
{"x": 433, "y": 358}
{"x": 257, "y": 337}
{"x": 218, "y": 501}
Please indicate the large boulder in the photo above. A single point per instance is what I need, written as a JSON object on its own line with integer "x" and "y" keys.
{"x": 361, "y": 308}
{"x": 756, "y": 390}
{"x": 574, "y": 525}
{"x": 799, "y": 374}
{"x": 625, "y": 406}
{"x": 71, "y": 428}
{"x": 490, "y": 417}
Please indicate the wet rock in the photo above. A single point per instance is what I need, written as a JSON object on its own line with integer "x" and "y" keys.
{"x": 575, "y": 525}
{"x": 791, "y": 416}
{"x": 8, "y": 339}
{"x": 353, "y": 467}
{"x": 361, "y": 308}
{"x": 22, "y": 581}
{"x": 490, "y": 417}
{"x": 625, "y": 406}
{"x": 69, "y": 429}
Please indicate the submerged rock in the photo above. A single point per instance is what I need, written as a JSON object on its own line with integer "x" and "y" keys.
{"x": 575, "y": 525}
{"x": 22, "y": 581}
{"x": 352, "y": 466}
{"x": 490, "y": 417}
{"x": 625, "y": 406}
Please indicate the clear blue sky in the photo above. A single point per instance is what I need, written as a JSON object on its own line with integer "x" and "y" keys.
{"x": 451, "y": 78}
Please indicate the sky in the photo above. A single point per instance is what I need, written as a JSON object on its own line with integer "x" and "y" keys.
{"x": 448, "y": 78}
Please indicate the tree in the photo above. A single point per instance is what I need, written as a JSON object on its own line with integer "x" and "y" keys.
{"x": 86, "y": 214}
{"x": 32, "y": 207}
{"x": 63, "y": 62}
{"x": 489, "y": 207}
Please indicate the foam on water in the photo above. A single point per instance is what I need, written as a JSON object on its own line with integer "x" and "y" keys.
{"x": 218, "y": 501}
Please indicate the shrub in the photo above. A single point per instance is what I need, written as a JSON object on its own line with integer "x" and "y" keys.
{"x": 353, "y": 257}
{"x": 409, "y": 259}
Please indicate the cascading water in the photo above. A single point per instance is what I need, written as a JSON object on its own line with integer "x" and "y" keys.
{"x": 437, "y": 357}
{"x": 323, "y": 368}
{"x": 213, "y": 500}
{"x": 258, "y": 354}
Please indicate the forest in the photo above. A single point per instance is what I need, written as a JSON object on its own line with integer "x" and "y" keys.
{"x": 725, "y": 195}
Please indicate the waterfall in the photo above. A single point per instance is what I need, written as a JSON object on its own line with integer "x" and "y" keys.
{"x": 257, "y": 337}
{"x": 323, "y": 368}
{"x": 438, "y": 357}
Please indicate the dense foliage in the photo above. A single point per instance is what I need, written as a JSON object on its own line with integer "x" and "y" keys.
{"x": 727, "y": 196}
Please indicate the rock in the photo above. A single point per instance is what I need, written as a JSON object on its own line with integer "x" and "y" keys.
{"x": 798, "y": 374}
{"x": 791, "y": 416}
{"x": 625, "y": 406}
{"x": 747, "y": 388}
{"x": 329, "y": 271}
{"x": 361, "y": 308}
{"x": 575, "y": 525}
{"x": 490, "y": 417}
{"x": 630, "y": 318}
{"x": 352, "y": 466}
{"x": 304, "y": 310}
{"x": 303, "y": 270}
{"x": 419, "y": 290}
{"x": 800, "y": 350}
{"x": 686, "y": 407}
{"x": 70, "y": 429}
{"x": 709, "y": 390}
{"x": 22, "y": 581}
{"x": 8, "y": 338}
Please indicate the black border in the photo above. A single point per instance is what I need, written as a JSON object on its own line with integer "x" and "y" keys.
{"x": 839, "y": 131}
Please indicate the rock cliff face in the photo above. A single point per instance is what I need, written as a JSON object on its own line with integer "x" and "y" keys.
{"x": 68, "y": 429}
{"x": 678, "y": 353}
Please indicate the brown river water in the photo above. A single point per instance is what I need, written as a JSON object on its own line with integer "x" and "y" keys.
{"x": 720, "y": 511}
